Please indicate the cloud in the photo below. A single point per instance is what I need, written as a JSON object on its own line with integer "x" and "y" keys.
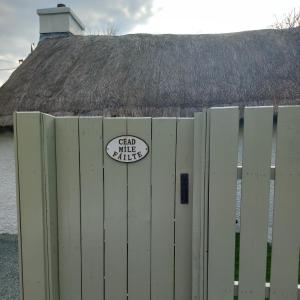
{"x": 20, "y": 28}
{"x": 213, "y": 16}
{"x": 125, "y": 15}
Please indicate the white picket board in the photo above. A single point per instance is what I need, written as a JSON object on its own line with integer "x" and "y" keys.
{"x": 224, "y": 126}
{"x": 183, "y": 212}
{"x": 258, "y": 127}
{"x": 92, "y": 229}
{"x": 199, "y": 256}
{"x": 68, "y": 198}
{"x": 115, "y": 215}
{"x": 139, "y": 215}
{"x": 18, "y": 198}
{"x": 205, "y": 205}
{"x": 163, "y": 205}
{"x": 286, "y": 223}
{"x": 51, "y": 230}
{"x": 32, "y": 207}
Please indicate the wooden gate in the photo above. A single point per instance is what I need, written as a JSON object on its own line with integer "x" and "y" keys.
{"x": 162, "y": 228}
{"x": 97, "y": 228}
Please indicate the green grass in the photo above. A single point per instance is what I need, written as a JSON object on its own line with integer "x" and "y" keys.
{"x": 237, "y": 260}
{"x": 269, "y": 255}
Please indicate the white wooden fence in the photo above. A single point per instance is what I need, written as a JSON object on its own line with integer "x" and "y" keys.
{"x": 94, "y": 228}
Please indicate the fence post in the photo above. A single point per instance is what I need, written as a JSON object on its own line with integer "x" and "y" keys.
{"x": 36, "y": 198}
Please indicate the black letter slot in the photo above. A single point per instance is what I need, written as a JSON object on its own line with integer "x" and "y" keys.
{"x": 184, "y": 188}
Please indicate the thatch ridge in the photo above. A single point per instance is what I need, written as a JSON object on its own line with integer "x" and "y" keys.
{"x": 143, "y": 74}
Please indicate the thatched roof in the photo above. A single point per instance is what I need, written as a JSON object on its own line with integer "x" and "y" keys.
{"x": 155, "y": 74}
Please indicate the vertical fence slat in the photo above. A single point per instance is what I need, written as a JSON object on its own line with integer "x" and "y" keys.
{"x": 115, "y": 215}
{"x": 91, "y": 173}
{"x": 199, "y": 257}
{"x": 286, "y": 224}
{"x": 163, "y": 193}
{"x": 20, "y": 260}
{"x": 139, "y": 213}
{"x": 49, "y": 167}
{"x": 258, "y": 126}
{"x": 224, "y": 124}
{"x": 68, "y": 197}
{"x": 183, "y": 212}
{"x": 32, "y": 205}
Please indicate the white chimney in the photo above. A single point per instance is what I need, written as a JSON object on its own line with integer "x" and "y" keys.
{"x": 59, "y": 21}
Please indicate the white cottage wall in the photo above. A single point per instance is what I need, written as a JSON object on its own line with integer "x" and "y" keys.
{"x": 8, "y": 209}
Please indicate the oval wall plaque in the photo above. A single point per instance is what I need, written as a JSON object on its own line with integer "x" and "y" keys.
{"x": 127, "y": 148}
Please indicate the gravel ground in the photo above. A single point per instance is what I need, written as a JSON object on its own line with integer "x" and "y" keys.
{"x": 9, "y": 272}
